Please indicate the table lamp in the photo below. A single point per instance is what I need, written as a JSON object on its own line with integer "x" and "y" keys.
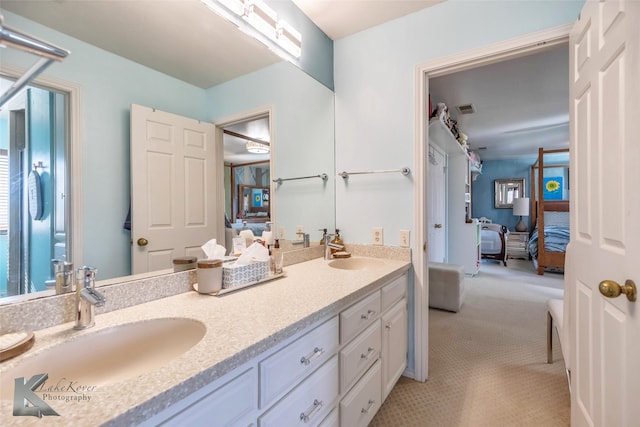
{"x": 521, "y": 208}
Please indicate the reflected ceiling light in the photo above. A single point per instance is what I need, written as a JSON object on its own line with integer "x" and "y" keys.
{"x": 263, "y": 25}
{"x": 257, "y": 148}
{"x": 289, "y": 38}
{"x": 261, "y": 17}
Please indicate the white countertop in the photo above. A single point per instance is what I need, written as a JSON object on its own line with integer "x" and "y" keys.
{"x": 240, "y": 325}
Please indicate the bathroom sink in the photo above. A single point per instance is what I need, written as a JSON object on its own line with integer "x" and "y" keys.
{"x": 109, "y": 355}
{"x": 356, "y": 263}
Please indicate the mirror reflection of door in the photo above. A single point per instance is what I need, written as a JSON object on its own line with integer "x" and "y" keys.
{"x": 173, "y": 188}
{"x": 33, "y": 224}
{"x": 247, "y": 161}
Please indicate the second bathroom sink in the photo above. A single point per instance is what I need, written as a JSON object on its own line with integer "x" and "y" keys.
{"x": 109, "y": 355}
{"x": 356, "y": 263}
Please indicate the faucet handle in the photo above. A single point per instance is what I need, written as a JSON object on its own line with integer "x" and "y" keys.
{"x": 86, "y": 277}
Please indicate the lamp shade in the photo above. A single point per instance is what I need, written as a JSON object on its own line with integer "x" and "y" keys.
{"x": 521, "y": 206}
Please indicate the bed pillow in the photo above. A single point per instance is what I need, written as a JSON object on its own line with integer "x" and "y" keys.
{"x": 556, "y": 218}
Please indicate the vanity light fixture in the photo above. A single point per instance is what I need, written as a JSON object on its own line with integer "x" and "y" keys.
{"x": 261, "y": 17}
{"x": 289, "y": 38}
{"x": 259, "y": 21}
{"x": 257, "y": 148}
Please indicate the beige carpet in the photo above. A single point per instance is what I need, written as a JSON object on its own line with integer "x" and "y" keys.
{"x": 487, "y": 363}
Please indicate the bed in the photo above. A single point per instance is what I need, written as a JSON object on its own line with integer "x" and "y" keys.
{"x": 550, "y": 212}
{"x": 493, "y": 241}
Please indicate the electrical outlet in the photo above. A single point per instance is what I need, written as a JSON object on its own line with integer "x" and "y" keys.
{"x": 281, "y": 233}
{"x": 377, "y": 236}
{"x": 405, "y": 238}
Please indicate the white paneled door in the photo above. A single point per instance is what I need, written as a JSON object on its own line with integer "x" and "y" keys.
{"x": 605, "y": 215}
{"x": 173, "y": 188}
{"x": 436, "y": 214}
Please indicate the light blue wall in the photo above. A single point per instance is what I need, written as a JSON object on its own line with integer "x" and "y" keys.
{"x": 109, "y": 85}
{"x": 317, "y": 49}
{"x": 375, "y": 100}
{"x": 483, "y": 188}
{"x": 303, "y": 124}
{"x": 303, "y": 117}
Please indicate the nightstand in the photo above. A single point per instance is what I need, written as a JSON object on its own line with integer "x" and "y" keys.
{"x": 518, "y": 244}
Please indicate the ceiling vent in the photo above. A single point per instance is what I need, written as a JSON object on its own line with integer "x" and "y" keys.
{"x": 466, "y": 109}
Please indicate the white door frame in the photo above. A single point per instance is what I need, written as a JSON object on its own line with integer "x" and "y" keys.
{"x": 508, "y": 49}
{"x": 74, "y": 225}
{"x": 233, "y": 119}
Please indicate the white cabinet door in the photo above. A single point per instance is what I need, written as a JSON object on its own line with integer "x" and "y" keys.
{"x": 282, "y": 370}
{"x": 309, "y": 403}
{"x": 394, "y": 346}
{"x": 360, "y": 405}
{"x": 231, "y": 404}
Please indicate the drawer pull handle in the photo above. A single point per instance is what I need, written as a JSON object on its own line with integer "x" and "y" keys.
{"x": 370, "y": 351}
{"x": 311, "y": 411}
{"x": 368, "y": 408}
{"x": 317, "y": 352}
{"x": 368, "y": 315}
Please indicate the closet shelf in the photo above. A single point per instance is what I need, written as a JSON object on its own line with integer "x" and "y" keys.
{"x": 440, "y": 135}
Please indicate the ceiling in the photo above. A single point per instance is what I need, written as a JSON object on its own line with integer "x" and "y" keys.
{"x": 521, "y": 104}
{"x": 339, "y": 19}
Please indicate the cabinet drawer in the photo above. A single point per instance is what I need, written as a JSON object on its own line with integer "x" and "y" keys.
{"x": 359, "y": 355}
{"x": 358, "y": 317}
{"x": 228, "y": 405}
{"x": 394, "y": 291}
{"x": 309, "y": 403}
{"x": 282, "y": 370}
{"x": 360, "y": 405}
{"x": 332, "y": 420}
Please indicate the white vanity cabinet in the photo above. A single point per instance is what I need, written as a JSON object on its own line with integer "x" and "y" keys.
{"x": 394, "y": 332}
{"x": 230, "y": 401}
{"x": 374, "y": 351}
{"x": 336, "y": 372}
{"x": 394, "y": 345}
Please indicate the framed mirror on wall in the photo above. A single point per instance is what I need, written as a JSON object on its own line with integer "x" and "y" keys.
{"x": 506, "y": 190}
{"x": 254, "y": 203}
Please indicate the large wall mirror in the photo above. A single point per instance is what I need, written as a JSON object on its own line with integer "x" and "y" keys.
{"x": 506, "y": 190}
{"x": 303, "y": 129}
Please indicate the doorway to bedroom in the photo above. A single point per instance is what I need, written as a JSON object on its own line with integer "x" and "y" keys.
{"x": 500, "y": 115}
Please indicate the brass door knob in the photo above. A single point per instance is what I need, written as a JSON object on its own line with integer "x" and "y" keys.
{"x": 142, "y": 242}
{"x": 438, "y": 226}
{"x": 611, "y": 289}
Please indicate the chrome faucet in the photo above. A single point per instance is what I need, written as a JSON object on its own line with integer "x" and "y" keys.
{"x": 328, "y": 245}
{"x": 304, "y": 242}
{"x": 63, "y": 272}
{"x": 87, "y": 298}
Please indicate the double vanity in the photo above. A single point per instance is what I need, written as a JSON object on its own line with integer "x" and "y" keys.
{"x": 323, "y": 345}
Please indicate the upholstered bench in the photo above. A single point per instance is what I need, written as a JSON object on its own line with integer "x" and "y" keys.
{"x": 555, "y": 309}
{"x": 446, "y": 286}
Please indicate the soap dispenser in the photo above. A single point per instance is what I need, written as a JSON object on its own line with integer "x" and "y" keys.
{"x": 337, "y": 240}
{"x": 324, "y": 235}
{"x": 247, "y": 234}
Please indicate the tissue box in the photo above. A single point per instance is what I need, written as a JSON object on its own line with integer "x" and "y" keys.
{"x": 235, "y": 276}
